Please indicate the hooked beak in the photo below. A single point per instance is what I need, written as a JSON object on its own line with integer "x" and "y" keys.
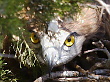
{"x": 51, "y": 57}
{"x": 50, "y": 67}
{"x": 50, "y": 63}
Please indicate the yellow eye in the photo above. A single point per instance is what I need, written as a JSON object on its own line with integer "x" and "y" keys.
{"x": 69, "y": 41}
{"x": 34, "y": 38}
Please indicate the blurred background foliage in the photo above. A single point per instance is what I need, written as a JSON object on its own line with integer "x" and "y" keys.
{"x": 17, "y": 17}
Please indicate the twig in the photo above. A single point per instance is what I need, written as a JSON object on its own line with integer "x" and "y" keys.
{"x": 102, "y": 71}
{"x": 73, "y": 79}
{"x": 76, "y": 76}
{"x": 103, "y": 64}
{"x": 107, "y": 7}
{"x": 97, "y": 65}
{"x": 7, "y": 55}
{"x": 106, "y": 41}
{"x": 89, "y": 78}
{"x": 57, "y": 74}
{"x": 94, "y": 76}
{"x": 72, "y": 76}
{"x": 99, "y": 77}
{"x": 98, "y": 49}
{"x": 81, "y": 69}
{"x": 98, "y": 44}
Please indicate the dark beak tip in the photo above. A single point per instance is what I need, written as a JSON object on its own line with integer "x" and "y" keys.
{"x": 50, "y": 67}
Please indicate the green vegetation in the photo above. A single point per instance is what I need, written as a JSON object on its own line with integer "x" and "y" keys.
{"x": 5, "y": 74}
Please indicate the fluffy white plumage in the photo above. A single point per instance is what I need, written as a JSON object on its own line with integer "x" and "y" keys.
{"x": 53, "y": 26}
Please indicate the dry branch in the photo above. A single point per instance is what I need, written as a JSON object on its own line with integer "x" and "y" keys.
{"x": 102, "y": 71}
{"x": 106, "y": 6}
{"x": 74, "y": 76}
{"x": 101, "y": 47}
{"x": 99, "y": 77}
{"x": 98, "y": 49}
{"x": 80, "y": 75}
{"x": 103, "y": 64}
{"x": 58, "y": 74}
{"x": 81, "y": 70}
{"x": 74, "y": 79}
{"x": 7, "y": 55}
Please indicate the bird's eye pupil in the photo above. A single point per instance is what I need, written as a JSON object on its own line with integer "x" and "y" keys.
{"x": 69, "y": 39}
{"x": 35, "y": 37}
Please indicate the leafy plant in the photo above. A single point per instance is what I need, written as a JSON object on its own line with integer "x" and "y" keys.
{"x": 6, "y": 74}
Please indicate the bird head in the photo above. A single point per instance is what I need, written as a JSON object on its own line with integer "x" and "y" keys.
{"x": 61, "y": 47}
